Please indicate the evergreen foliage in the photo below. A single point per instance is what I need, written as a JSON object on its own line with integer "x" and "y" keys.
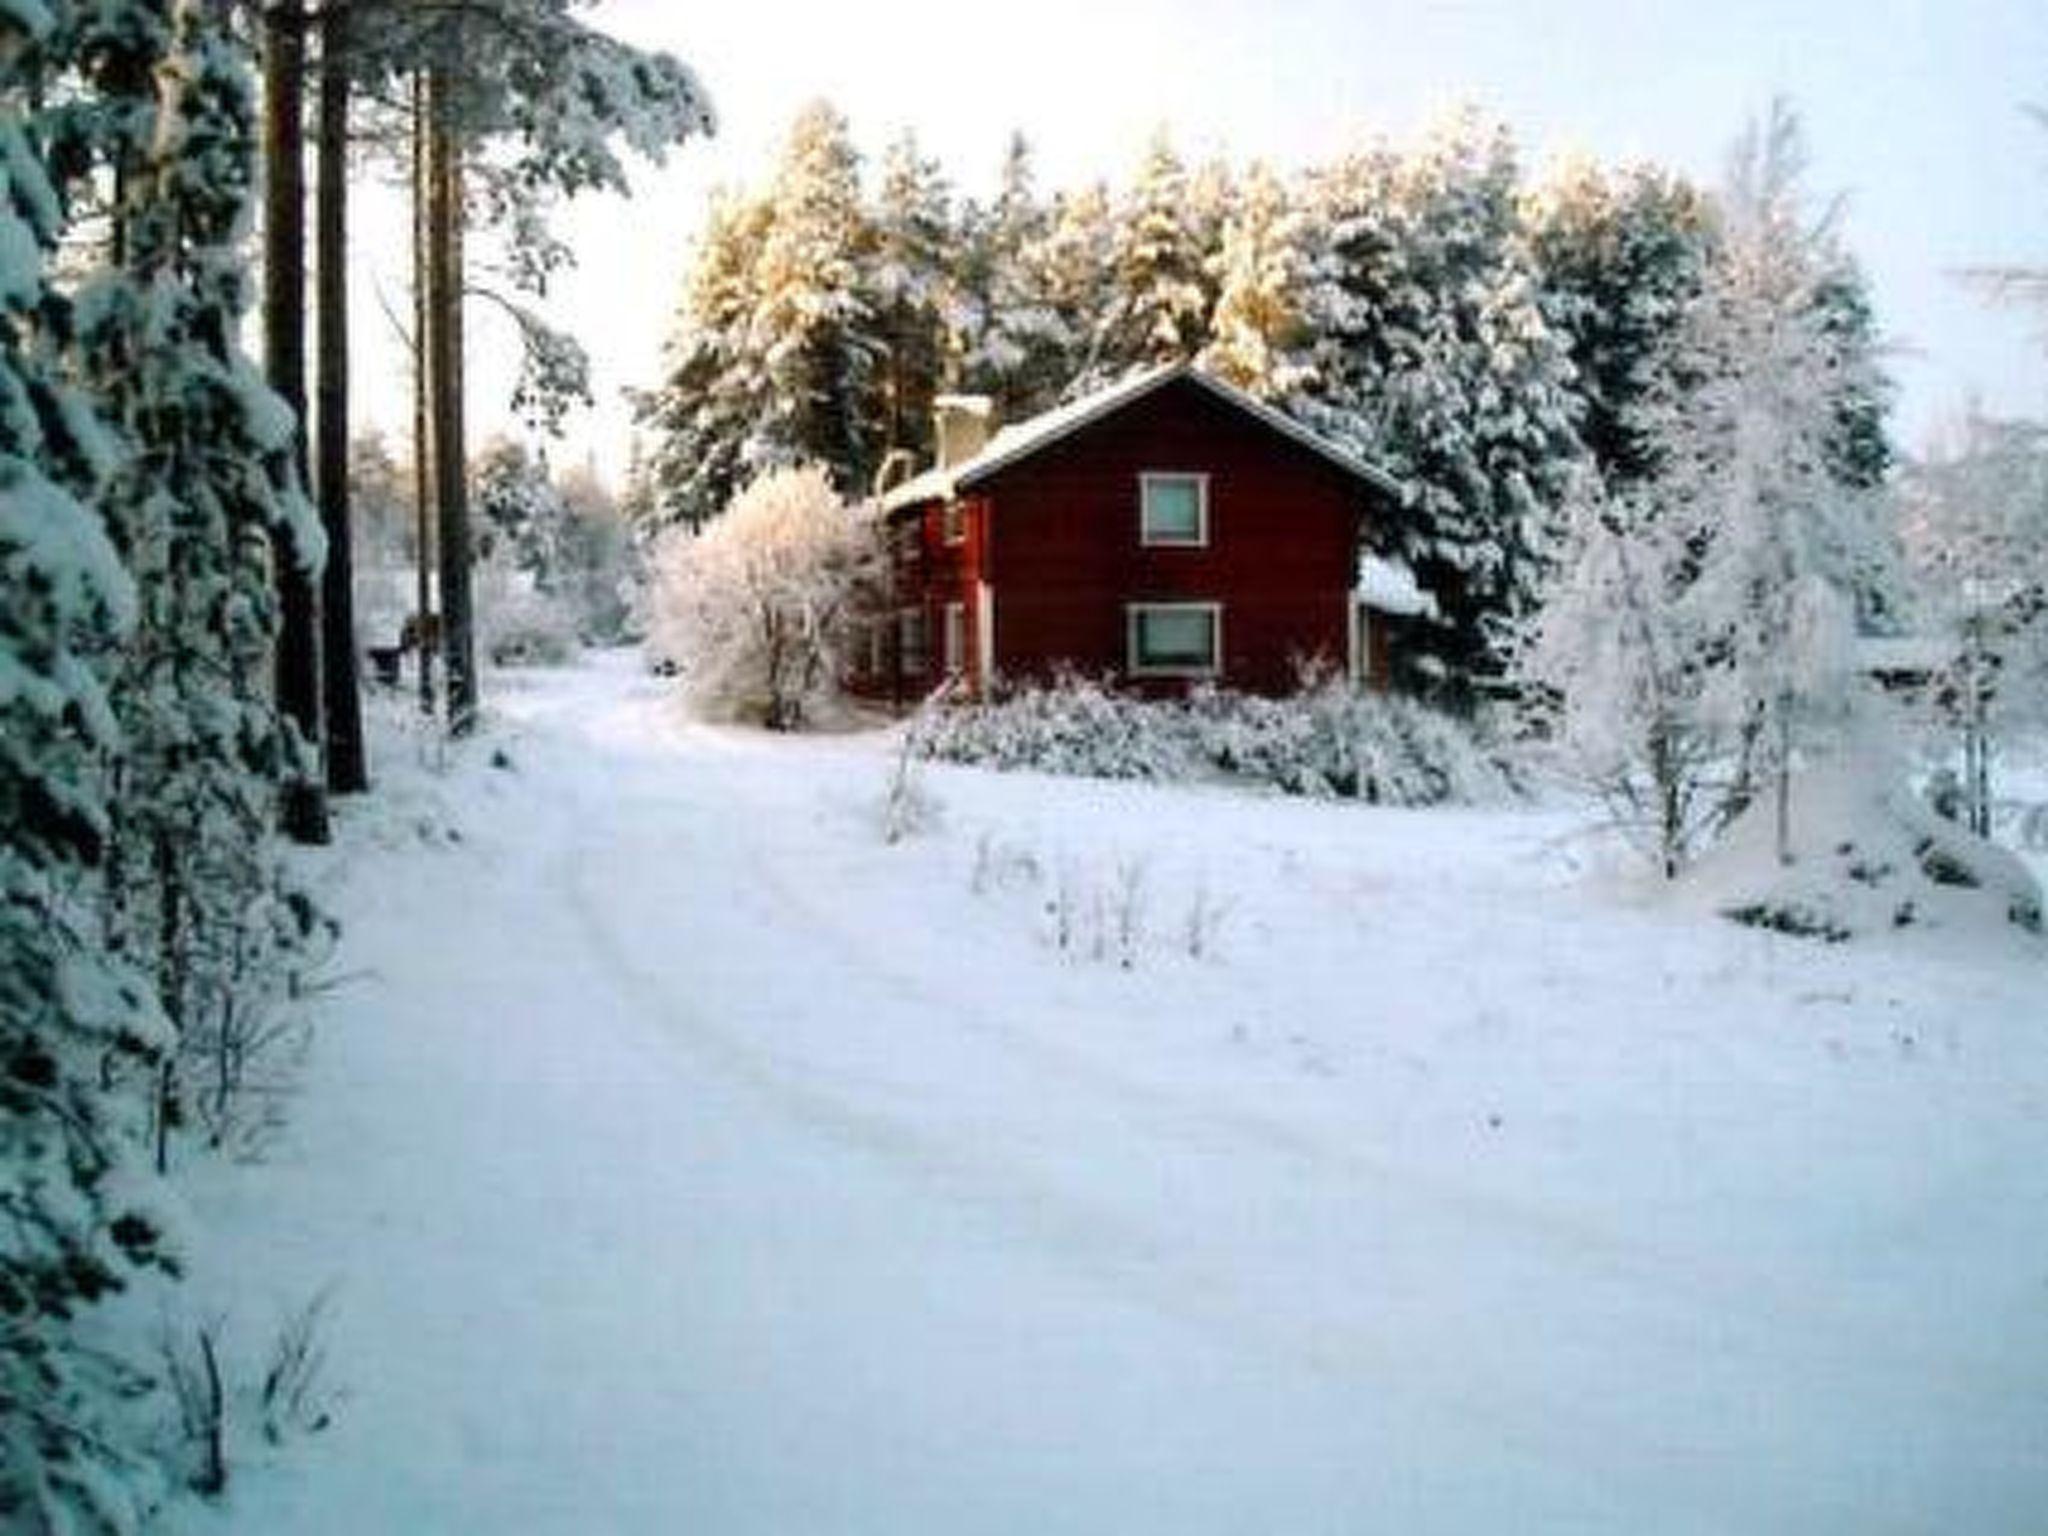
{"x": 1620, "y": 256}
{"x": 814, "y": 324}
{"x": 1007, "y": 340}
{"x": 79, "y": 1028}
{"x": 1162, "y": 294}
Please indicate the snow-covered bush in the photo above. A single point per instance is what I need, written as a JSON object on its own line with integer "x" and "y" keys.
{"x": 755, "y": 611}
{"x": 1328, "y": 741}
{"x": 1077, "y": 726}
{"x": 518, "y": 624}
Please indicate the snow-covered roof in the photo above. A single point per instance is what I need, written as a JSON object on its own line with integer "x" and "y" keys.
{"x": 1025, "y": 438}
{"x": 1391, "y": 587}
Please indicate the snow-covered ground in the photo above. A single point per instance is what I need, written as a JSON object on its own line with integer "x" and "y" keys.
{"x": 684, "y": 1158}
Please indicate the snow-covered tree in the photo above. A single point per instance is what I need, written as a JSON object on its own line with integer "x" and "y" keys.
{"x": 1616, "y": 664}
{"x": 1786, "y": 546}
{"x": 1431, "y": 354}
{"x": 1260, "y": 330}
{"x": 79, "y": 1028}
{"x": 1159, "y": 309}
{"x": 524, "y": 517}
{"x": 1729, "y": 576}
{"x": 814, "y": 324}
{"x": 601, "y": 572}
{"x": 911, "y": 280}
{"x": 208, "y": 477}
{"x": 1008, "y": 340}
{"x": 1974, "y": 523}
{"x": 755, "y": 610}
{"x": 704, "y": 417}
{"x": 1620, "y": 255}
{"x": 1076, "y": 270}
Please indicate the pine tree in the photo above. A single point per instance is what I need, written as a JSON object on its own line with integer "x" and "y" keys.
{"x": 1620, "y": 256}
{"x": 78, "y": 1029}
{"x": 913, "y": 292}
{"x": 704, "y": 416}
{"x": 1431, "y": 354}
{"x": 210, "y": 477}
{"x": 814, "y": 323}
{"x": 1008, "y": 340}
{"x": 1160, "y": 307}
{"x": 1076, "y": 271}
{"x": 554, "y": 102}
{"x": 1261, "y": 325}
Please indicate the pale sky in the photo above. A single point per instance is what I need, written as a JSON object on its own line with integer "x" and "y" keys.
{"x": 1912, "y": 108}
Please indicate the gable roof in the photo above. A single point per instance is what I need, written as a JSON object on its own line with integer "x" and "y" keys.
{"x": 1010, "y": 444}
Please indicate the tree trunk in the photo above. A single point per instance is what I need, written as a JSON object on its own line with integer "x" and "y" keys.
{"x": 426, "y": 634}
{"x": 347, "y": 768}
{"x": 445, "y": 382}
{"x": 284, "y": 359}
{"x": 1784, "y": 783}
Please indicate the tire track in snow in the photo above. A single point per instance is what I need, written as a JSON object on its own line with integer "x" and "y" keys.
{"x": 1104, "y": 1247}
{"x": 1107, "y": 1246}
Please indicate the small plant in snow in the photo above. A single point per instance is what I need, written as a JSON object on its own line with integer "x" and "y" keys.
{"x": 294, "y": 1396}
{"x": 192, "y": 1373}
{"x": 908, "y": 807}
{"x": 1000, "y": 865}
{"x": 209, "y": 1406}
{"x": 1202, "y": 928}
{"x": 1127, "y": 903}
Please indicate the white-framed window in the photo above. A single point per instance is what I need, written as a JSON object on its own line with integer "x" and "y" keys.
{"x": 910, "y": 656}
{"x": 955, "y": 652}
{"x": 953, "y": 523}
{"x": 1174, "y": 639}
{"x": 1173, "y": 509}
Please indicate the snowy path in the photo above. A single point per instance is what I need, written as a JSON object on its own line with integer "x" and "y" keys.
{"x": 708, "y": 1167}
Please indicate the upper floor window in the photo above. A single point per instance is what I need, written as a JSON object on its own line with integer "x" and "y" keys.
{"x": 953, "y": 523}
{"x": 1173, "y": 509}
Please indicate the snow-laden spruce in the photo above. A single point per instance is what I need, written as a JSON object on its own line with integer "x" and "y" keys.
{"x": 208, "y": 480}
{"x": 80, "y": 1034}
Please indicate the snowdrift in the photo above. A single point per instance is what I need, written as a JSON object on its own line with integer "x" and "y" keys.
{"x": 1869, "y": 856}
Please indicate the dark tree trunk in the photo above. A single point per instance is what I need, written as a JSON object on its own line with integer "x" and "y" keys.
{"x": 284, "y": 357}
{"x": 444, "y": 373}
{"x": 426, "y": 633}
{"x": 347, "y": 768}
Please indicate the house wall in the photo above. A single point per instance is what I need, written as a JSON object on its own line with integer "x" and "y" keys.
{"x": 928, "y": 571}
{"x": 1063, "y": 554}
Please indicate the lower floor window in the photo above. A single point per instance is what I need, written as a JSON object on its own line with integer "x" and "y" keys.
{"x": 910, "y": 658}
{"x": 956, "y": 639}
{"x": 1175, "y": 639}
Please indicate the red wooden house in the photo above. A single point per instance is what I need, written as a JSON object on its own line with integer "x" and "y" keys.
{"x": 1167, "y": 530}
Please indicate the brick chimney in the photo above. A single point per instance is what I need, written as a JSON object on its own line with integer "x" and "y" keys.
{"x": 962, "y": 425}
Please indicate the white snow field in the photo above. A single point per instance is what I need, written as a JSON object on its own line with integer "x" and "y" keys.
{"x": 685, "y": 1158}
